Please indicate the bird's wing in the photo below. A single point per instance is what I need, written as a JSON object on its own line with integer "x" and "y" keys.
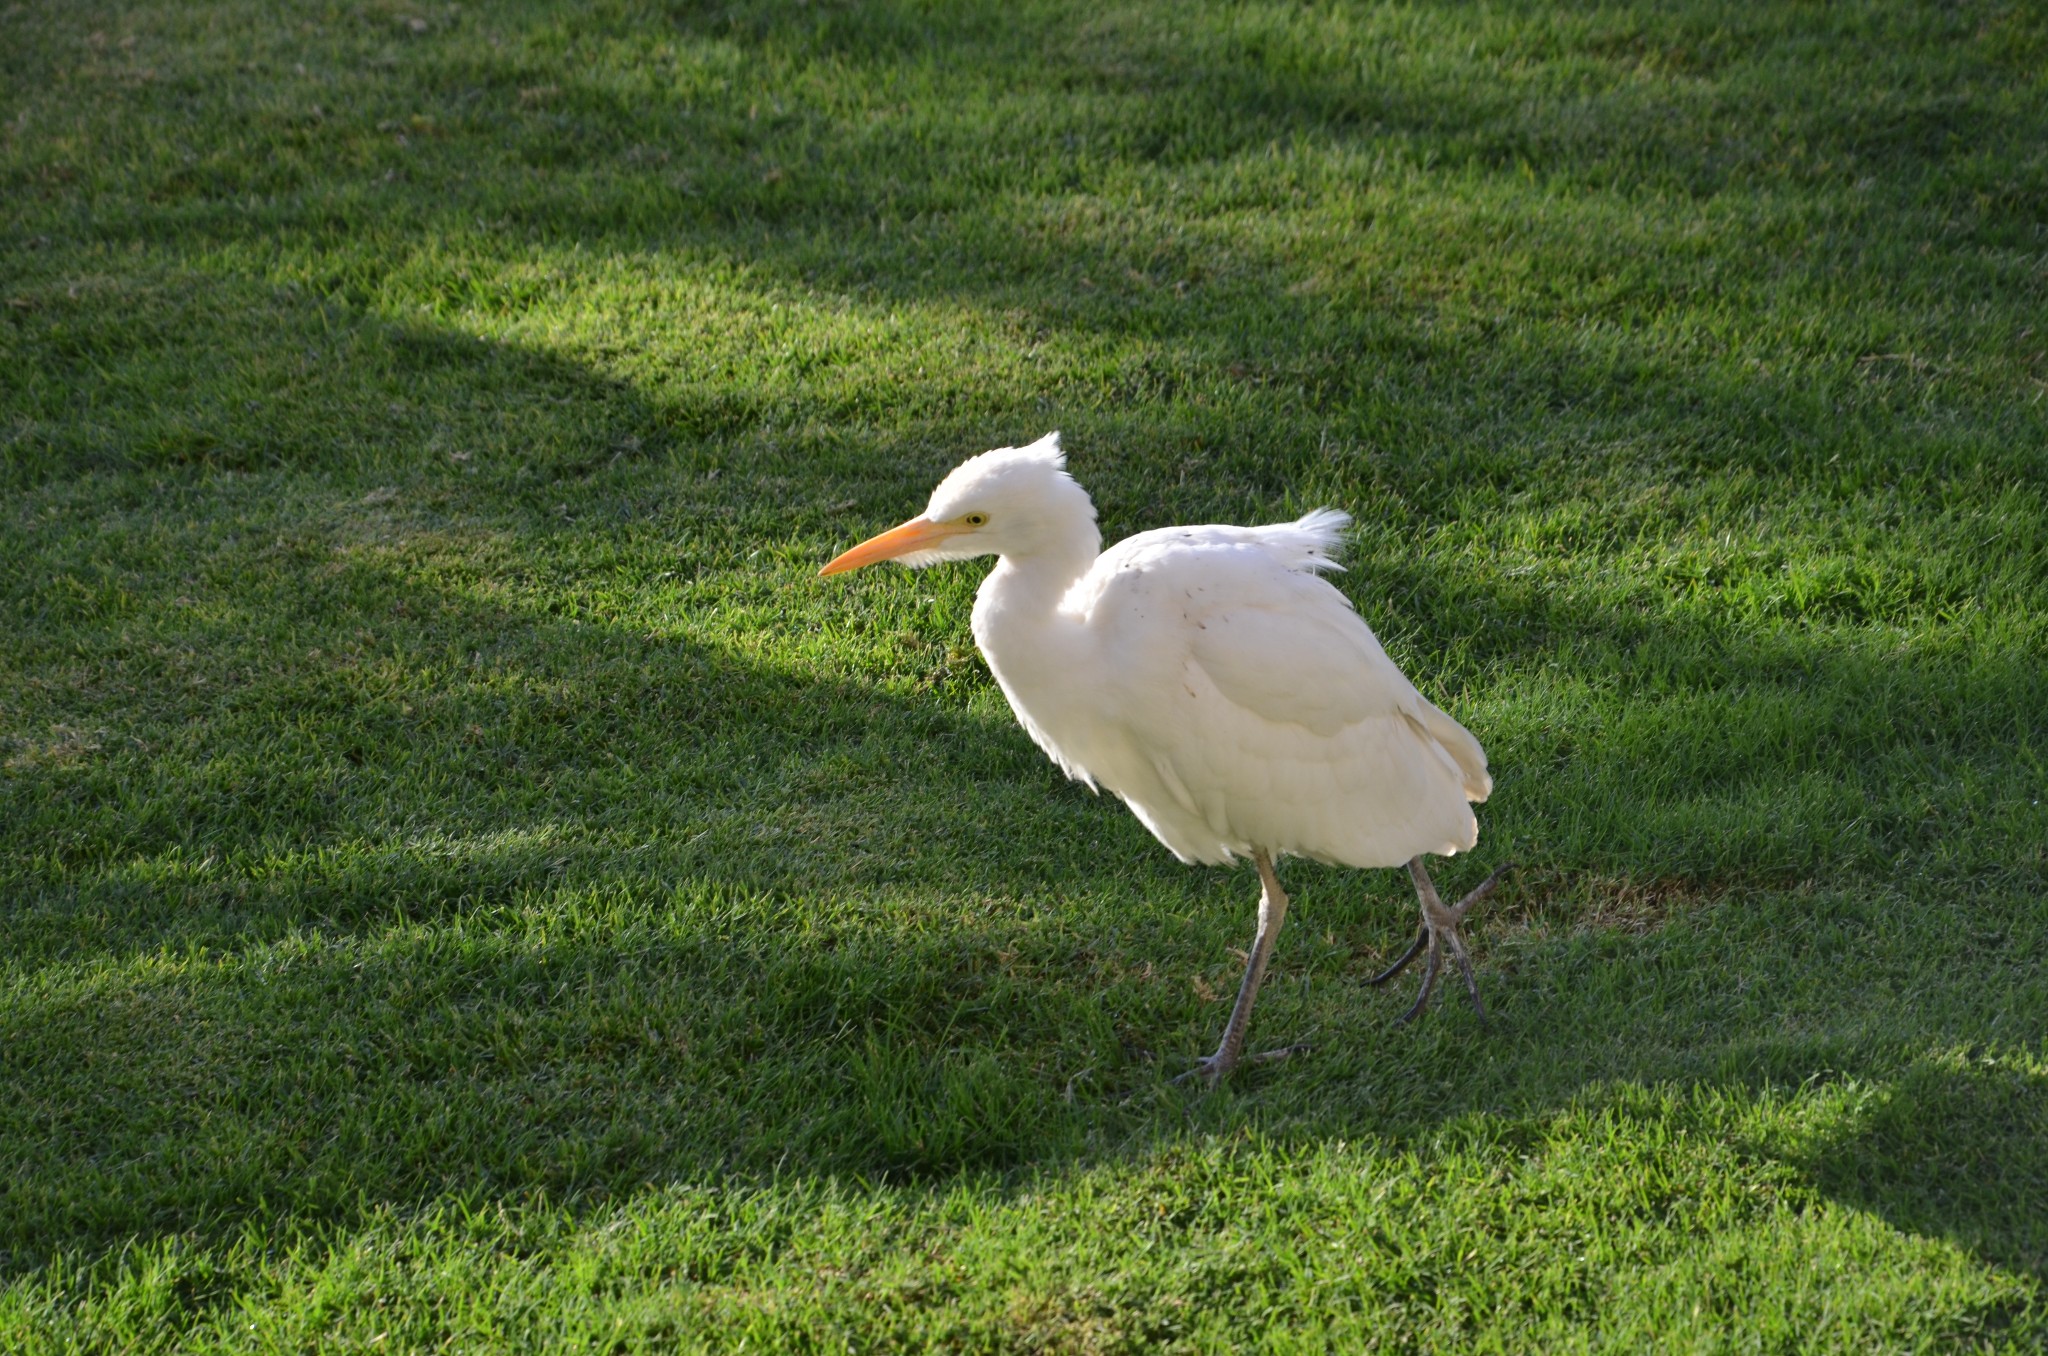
{"x": 1276, "y": 640}
{"x": 1316, "y": 663}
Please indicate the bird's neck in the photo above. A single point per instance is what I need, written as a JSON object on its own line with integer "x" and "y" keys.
{"x": 1035, "y": 579}
{"x": 1041, "y": 653}
{"x": 1016, "y": 612}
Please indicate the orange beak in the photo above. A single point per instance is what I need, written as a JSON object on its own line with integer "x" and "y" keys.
{"x": 918, "y": 534}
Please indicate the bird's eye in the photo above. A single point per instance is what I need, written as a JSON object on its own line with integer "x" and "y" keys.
{"x": 975, "y": 519}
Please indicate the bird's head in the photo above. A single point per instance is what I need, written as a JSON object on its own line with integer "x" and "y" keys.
{"x": 1014, "y": 501}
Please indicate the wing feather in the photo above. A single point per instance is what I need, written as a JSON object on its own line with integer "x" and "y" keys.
{"x": 1266, "y": 710}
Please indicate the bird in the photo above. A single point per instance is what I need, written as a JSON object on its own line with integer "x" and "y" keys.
{"x": 1215, "y": 680}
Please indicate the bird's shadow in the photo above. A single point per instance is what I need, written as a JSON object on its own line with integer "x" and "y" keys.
{"x": 1949, "y": 1149}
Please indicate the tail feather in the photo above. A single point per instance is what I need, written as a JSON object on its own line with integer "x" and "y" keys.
{"x": 1463, "y": 748}
{"x": 1310, "y": 542}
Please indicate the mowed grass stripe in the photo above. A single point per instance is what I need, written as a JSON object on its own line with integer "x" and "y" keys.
{"x": 466, "y": 882}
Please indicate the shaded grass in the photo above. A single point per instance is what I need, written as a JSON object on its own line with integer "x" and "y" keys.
{"x": 465, "y": 881}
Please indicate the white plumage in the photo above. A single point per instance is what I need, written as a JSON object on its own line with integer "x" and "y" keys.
{"x": 1212, "y": 678}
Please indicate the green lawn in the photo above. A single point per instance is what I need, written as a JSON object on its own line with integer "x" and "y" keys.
{"x": 465, "y": 882}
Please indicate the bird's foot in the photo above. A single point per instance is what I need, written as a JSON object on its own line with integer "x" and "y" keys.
{"x": 1439, "y": 934}
{"x": 1213, "y": 1069}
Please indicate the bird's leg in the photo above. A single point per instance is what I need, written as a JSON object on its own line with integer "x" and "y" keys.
{"x": 1272, "y": 913}
{"x": 1439, "y": 934}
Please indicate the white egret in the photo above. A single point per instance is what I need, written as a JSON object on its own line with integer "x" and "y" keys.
{"x": 1217, "y": 683}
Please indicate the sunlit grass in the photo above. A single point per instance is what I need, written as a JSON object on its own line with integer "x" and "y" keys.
{"x": 467, "y": 881}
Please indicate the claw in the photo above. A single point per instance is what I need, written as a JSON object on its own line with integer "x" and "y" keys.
{"x": 1407, "y": 958}
{"x": 1212, "y": 1070}
{"x": 1428, "y": 986}
{"x": 1464, "y": 960}
{"x": 1439, "y": 934}
{"x": 1482, "y": 890}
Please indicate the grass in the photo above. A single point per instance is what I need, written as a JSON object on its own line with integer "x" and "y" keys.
{"x": 466, "y": 883}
